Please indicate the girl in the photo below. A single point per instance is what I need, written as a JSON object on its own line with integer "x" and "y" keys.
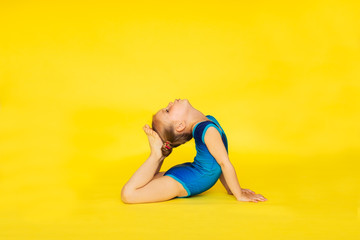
{"x": 171, "y": 127}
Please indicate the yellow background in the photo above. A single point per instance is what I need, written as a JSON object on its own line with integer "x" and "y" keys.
{"x": 79, "y": 80}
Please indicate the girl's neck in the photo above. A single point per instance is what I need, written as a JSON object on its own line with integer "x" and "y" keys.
{"x": 195, "y": 117}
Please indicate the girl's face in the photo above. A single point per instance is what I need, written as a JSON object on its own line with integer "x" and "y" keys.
{"x": 174, "y": 112}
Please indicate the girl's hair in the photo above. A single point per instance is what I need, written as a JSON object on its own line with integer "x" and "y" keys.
{"x": 168, "y": 135}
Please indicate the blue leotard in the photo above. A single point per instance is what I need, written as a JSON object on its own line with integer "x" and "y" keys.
{"x": 201, "y": 174}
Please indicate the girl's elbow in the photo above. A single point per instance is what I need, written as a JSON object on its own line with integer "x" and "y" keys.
{"x": 225, "y": 165}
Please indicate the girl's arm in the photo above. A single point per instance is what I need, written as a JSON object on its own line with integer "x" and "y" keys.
{"x": 217, "y": 149}
{"x": 223, "y": 181}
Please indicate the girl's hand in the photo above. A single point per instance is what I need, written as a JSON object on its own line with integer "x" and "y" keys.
{"x": 247, "y": 190}
{"x": 250, "y": 196}
{"x": 155, "y": 141}
{"x": 243, "y": 190}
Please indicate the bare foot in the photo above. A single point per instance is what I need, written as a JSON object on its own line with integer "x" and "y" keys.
{"x": 155, "y": 141}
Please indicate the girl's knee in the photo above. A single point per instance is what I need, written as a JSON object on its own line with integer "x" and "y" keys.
{"x": 126, "y": 195}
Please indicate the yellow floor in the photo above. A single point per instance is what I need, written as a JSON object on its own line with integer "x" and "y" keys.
{"x": 78, "y": 82}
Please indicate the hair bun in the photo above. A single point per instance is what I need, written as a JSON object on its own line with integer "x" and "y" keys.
{"x": 167, "y": 145}
{"x": 166, "y": 148}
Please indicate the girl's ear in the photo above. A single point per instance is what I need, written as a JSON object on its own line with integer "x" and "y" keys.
{"x": 180, "y": 126}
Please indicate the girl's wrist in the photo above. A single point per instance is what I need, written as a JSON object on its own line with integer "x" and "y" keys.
{"x": 238, "y": 196}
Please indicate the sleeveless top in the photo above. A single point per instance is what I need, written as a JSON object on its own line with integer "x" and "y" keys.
{"x": 203, "y": 159}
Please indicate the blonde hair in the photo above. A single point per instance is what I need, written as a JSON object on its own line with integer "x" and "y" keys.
{"x": 169, "y": 137}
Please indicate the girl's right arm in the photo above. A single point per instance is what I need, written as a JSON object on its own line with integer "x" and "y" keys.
{"x": 223, "y": 181}
{"x": 217, "y": 149}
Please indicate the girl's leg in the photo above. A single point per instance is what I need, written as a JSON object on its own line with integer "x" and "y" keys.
{"x": 157, "y": 190}
{"x": 143, "y": 186}
{"x": 159, "y": 167}
{"x": 146, "y": 186}
{"x": 151, "y": 166}
{"x": 159, "y": 174}
{"x": 145, "y": 173}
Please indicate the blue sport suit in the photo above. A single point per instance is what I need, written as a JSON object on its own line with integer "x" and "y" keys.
{"x": 201, "y": 174}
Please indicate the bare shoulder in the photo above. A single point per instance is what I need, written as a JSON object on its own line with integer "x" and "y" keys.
{"x": 215, "y": 145}
{"x": 212, "y": 135}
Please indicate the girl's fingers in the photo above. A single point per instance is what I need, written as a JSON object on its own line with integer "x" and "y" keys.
{"x": 262, "y": 199}
{"x": 259, "y": 197}
{"x": 248, "y": 190}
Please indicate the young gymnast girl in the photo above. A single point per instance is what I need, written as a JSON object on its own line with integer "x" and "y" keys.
{"x": 172, "y": 126}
